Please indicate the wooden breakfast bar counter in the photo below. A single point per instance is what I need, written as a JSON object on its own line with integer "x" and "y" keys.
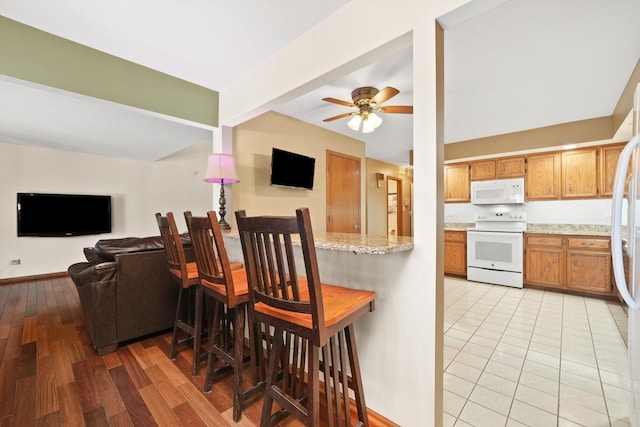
{"x": 363, "y": 262}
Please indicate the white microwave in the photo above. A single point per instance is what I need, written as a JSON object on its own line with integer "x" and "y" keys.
{"x": 498, "y": 192}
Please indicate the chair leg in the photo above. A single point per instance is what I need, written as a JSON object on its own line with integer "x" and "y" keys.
{"x": 272, "y": 373}
{"x": 313, "y": 404}
{"x": 214, "y": 339}
{"x": 356, "y": 377}
{"x": 197, "y": 331}
{"x": 174, "y": 337}
{"x": 238, "y": 356}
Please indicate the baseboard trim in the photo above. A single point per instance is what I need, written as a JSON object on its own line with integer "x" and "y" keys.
{"x": 12, "y": 280}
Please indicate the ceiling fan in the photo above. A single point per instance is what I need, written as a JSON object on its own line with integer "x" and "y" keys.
{"x": 367, "y": 100}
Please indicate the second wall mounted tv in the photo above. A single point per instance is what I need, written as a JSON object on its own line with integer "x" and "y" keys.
{"x": 291, "y": 169}
{"x": 59, "y": 215}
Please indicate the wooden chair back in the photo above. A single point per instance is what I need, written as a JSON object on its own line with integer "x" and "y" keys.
{"x": 173, "y": 247}
{"x": 214, "y": 268}
{"x": 270, "y": 261}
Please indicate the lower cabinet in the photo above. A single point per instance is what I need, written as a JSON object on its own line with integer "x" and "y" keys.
{"x": 577, "y": 263}
{"x": 455, "y": 253}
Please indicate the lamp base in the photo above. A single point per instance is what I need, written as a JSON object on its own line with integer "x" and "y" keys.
{"x": 224, "y": 226}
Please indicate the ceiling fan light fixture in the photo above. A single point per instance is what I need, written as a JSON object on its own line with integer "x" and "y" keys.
{"x": 354, "y": 123}
{"x": 367, "y": 126}
{"x": 374, "y": 119}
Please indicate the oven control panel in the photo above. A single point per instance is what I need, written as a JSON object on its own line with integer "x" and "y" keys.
{"x": 501, "y": 216}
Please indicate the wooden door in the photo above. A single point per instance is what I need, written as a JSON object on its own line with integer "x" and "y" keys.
{"x": 455, "y": 253}
{"x": 512, "y": 167}
{"x": 395, "y": 210}
{"x": 456, "y": 183}
{"x": 580, "y": 173}
{"x": 543, "y": 266}
{"x": 543, "y": 176}
{"x": 609, "y": 155}
{"x": 485, "y": 169}
{"x": 343, "y": 193}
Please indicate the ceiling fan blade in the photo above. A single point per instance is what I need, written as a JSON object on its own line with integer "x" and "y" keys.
{"x": 400, "y": 109}
{"x": 330, "y": 119}
{"x": 337, "y": 101}
{"x": 384, "y": 95}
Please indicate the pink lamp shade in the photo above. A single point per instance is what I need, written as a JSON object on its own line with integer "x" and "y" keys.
{"x": 221, "y": 169}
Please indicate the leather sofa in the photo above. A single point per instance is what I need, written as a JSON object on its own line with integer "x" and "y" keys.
{"x": 125, "y": 290}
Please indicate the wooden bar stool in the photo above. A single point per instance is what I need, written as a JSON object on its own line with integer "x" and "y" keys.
{"x": 229, "y": 291}
{"x": 312, "y": 324}
{"x": 186, "y": 274}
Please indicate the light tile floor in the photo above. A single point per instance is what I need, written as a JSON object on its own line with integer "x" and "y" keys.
{"x": 525, "y": 357}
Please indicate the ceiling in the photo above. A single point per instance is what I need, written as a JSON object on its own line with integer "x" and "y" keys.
{"x": 520, "y": 65}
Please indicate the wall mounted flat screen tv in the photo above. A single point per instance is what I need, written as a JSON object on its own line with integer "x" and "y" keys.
{"x": 291, "y": 169}
{"x": 59, "y": 215}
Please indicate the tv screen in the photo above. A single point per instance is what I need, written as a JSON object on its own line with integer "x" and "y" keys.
{"x": 291, "y": 169}
{"x": 55, "y": 215}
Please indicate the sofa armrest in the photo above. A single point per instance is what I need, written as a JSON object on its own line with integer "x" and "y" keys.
{"x": 96, "y": 285}
{"x": 147, "y": 294}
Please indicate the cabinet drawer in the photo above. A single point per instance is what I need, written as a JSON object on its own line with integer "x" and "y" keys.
{"x": 455, "y": 236}
{"x": 587, "y": 243}
{"x": 543, "y": 240}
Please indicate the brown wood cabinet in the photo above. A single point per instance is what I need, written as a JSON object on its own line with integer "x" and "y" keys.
{"x": 609, "y": 155}
{"x": 543, "y": 260}
{"x": 580, "y": 173}
{"x": 455, "y": 252}
{"x": 583, "y": 173}
{"x": 510, "y": 167}
{"x": 542, "y": 180}
{"x": 589, "y": 264}
{"x": 456, "y": 183}
{"x": 577, "y": 263}
{"x": 484, "y": 169}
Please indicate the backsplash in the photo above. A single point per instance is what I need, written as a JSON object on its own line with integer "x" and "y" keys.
{"x": 592, "y": 211}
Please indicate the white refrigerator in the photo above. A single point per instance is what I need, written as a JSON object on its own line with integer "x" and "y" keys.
{"x": 625, "y": 248}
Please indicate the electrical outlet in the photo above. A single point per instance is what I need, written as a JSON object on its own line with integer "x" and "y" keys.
{"x": 15, "y": 262}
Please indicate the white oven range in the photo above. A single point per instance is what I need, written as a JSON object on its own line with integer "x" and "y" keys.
{"x": 494, "y": 246}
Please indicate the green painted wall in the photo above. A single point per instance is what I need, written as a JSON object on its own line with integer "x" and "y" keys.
{"x": 30, "y": 54}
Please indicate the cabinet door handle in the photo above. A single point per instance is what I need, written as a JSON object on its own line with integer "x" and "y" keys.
{"x": 570, "y": 188}
{"x": 555, "y": 258}
{"x": 575, "y": 260}
{"x": 587, "y": 243}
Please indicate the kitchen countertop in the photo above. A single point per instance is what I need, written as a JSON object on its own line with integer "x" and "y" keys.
{"x": 356, "y": 243}
{"x": 582, "y": 229}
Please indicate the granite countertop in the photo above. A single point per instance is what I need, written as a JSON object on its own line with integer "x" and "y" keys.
{"x": 458, "y": 226}
{"x": 584, "y": 229}
{"x": 356, "y": 243}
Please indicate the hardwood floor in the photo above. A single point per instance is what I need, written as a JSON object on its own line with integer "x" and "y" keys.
{"x": 51, "y": 376}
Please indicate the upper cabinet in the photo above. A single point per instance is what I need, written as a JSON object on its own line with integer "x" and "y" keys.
{"x": 580, "y": 173}
{"x": 609, "y": 155}
{"x": 510, "y": 167}
{"x": 542, "y": 181}
{"x": 584, "y": 173}
{"x": 484, "y": 169}
{"x": 457, "y": 183}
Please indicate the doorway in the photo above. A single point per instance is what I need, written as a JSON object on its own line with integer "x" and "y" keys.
{"x": 394, "y": 206}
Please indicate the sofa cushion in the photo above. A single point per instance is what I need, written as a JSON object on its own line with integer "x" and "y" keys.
{"x": 92, "y": 256}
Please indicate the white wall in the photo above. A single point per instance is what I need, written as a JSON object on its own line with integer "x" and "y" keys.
{"x": 408, "y": 387}
{"x": 138, "y": 190}
{"x": 594, "y": 211}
